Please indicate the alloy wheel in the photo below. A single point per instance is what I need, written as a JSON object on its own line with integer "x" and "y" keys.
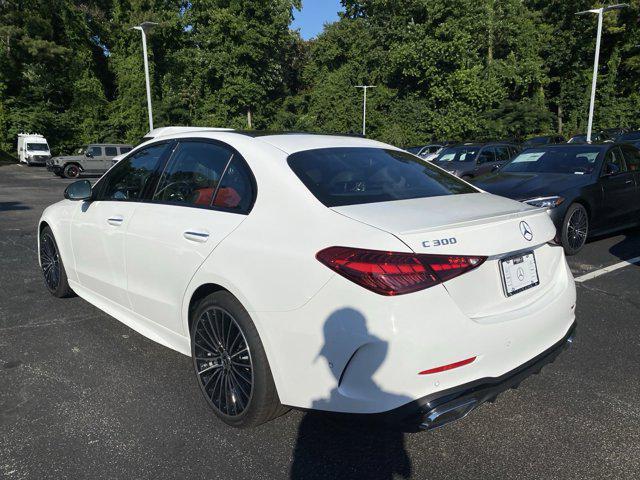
{"x": 577, "y": 227}
{"x": 223, "y": 363}
{"x": 50, "y": 261}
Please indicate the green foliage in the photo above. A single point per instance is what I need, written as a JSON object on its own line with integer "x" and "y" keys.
{"x": 443, "y": 69}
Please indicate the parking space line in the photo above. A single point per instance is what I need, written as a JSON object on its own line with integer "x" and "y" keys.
{"x": 608, "y": 269}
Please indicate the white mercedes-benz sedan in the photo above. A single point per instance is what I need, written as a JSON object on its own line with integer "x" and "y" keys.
{"x": 317, "y": 272}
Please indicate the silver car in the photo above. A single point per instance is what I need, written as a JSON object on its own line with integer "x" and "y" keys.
{"x": 93, "y": 159}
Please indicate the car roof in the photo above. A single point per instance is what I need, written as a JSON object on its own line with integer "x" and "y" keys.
{"x": 110, "y": 144}
{"x": 287, "y": 142}
{"x": 560, "y": 146}
{"x": 479, "y": 144}
{"x": 164, "y": 131}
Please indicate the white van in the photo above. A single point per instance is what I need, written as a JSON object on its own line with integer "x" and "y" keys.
{"x": 33, "y": 149}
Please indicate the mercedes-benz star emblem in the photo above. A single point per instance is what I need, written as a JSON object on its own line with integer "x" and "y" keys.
{"x": 526, "y": 232}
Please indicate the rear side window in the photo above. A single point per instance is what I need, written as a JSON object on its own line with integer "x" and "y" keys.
{"x": 206, "y": 175}
{"x": 502, "y": 153}
{"x": 487, "y": 155}
{"x": 631, "y": 157}
{"x": 110, "y": 151}
{"x": 130, "y": 177}
{"x": 351, "y": 176}
{"x": 193, "y": 174}
{"x": 613, "y": 159}
{"x": 124, "y": 150}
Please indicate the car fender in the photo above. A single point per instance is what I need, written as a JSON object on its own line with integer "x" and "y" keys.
{"x": 58, "y": 217}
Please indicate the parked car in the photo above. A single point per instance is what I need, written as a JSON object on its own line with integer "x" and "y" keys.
{"x": 470, "y": 160}
{"x": 93, "y": 159}
{"x": 309, "y": 271}
{"x": 33, "y": 149}
{"x": 630, "y": 137}
{"x": 587, "y": 189}
{"x": 614, "y": 133}
{"x": 544, "y": 140}
{"x": 596, "y": 137}
{"x": 427, "y": 152}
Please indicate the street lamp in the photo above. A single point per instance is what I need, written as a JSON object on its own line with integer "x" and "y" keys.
{"x": 600, "y": 12}
{"x": 144, "y": 27}
{"x": 364, "y": 107}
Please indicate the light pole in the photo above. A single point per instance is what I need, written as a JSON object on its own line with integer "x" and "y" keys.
{"x": 144, "y": 27}
{"x": 600, "y": 12}
{"x": 364, "y": 107}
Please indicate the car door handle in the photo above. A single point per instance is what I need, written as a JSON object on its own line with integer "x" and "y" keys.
{"x": 629, "y": 181}
{"x": 196, "y": 236}
{"x": 116, "y": 220}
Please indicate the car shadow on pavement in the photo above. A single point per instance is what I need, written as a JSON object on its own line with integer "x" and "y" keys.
{"x": 341, "y": 446}
{"x": 629, "y": 246}
{"x": 8, "y": 206}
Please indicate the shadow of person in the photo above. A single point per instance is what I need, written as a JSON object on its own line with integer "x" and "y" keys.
{"x": 340, "y": 446}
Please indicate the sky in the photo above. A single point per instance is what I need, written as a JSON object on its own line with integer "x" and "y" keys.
{"x": 314, "y": 14}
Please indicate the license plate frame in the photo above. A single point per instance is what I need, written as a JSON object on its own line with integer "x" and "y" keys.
{"x": 515, "y": 286}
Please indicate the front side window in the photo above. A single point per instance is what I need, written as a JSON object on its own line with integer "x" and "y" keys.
{"x": 95, "y": 151}
{"x": 110, "y": 151}
{"x": 351, "y": 176}
{"x": 131, "y": 177}
{"x": 193, "y": 175}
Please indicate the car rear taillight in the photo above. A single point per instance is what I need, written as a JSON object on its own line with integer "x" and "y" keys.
{"x": 395, "y": 273}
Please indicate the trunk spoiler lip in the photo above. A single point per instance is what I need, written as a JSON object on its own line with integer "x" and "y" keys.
{"x": 501, "y": 217}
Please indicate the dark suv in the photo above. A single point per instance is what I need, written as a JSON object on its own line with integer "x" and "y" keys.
{"x": 470, "y": 160}
{"x": 93, "y": 159}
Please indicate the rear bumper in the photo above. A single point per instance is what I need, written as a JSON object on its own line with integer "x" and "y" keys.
{"x": 440, "y": 408}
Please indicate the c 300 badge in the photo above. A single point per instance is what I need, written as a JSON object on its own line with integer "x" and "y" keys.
{"x": 439, "y": 242}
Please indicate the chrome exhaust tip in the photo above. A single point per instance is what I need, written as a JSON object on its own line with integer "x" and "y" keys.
{"x": 448, "y": 413}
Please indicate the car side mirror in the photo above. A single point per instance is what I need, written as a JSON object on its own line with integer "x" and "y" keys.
{"x": 80, "y": 190}
{"x": 88, "y": 154}
{"x": 495, "y": 168}
{"x": 612, "y": 168}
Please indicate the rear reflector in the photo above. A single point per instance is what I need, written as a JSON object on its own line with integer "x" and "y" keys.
{"x": 451, "y": 366}
{"x": 394, "y": 273}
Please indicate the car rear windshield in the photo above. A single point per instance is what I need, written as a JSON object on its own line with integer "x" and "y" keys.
{"x": 579, "y": 160}
{"x": 458, "y": 154}
{"x": 351, "y": 176}
{"x": 628, "y": 137}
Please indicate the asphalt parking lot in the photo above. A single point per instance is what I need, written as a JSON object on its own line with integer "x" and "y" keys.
{"x": 83, "y": 396}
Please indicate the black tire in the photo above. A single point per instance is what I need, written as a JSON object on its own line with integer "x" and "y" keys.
{"x": 233, "y": 374}
{"x": 53, "y": 272}
{"x": 71, "y": 171}
{"x": 575, "y": 229}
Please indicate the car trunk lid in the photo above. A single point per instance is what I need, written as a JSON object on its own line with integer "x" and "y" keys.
{"x": 478, "y": 224}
